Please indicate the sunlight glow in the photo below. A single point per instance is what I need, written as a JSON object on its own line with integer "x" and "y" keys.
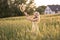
{"x": 46, "y": 2}
{"x": 27, "y": 1}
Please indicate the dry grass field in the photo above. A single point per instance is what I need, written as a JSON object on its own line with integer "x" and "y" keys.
{"x": 18, "y": 28}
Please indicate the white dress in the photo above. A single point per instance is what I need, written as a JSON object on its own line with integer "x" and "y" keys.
{"x": 35, "y": 27}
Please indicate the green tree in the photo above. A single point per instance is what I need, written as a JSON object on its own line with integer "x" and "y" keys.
{"x": 3, "y": 8}
{"x": 14, "y": 9}
{"x": 31, "y": 7}
{"x": 11, "y": 7}
{"x": 41, "y": 9}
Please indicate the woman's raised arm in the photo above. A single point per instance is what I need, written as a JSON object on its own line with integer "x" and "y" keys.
{"x": 26, "y": 14}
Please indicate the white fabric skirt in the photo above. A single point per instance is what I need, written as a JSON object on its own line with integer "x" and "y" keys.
{"x": 35, "y": 27}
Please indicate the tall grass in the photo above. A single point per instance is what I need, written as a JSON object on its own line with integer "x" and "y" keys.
{"x": 18, "y": 28}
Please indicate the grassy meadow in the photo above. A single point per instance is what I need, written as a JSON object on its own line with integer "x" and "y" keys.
{"x": 18, "y": 28}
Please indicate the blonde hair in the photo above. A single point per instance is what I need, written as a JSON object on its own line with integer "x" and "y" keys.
{"x": 38, "y": 15}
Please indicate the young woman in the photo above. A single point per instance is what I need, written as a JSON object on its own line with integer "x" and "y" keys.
{"x": 35, "y": 20}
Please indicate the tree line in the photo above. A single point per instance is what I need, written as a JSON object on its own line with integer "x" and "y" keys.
{"x": 10, "y": 8}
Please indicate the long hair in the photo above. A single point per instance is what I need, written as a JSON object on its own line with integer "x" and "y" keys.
{"x": 38, "y": 15}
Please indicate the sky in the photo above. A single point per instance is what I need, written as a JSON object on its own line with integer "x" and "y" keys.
{"x": 46, "y": 2}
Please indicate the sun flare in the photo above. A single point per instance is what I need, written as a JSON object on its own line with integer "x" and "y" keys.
{"x": 37, "y": 2}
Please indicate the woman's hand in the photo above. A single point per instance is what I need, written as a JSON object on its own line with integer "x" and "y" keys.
{"x": 31, "y": 19}
{"x": 22, "y": 7}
